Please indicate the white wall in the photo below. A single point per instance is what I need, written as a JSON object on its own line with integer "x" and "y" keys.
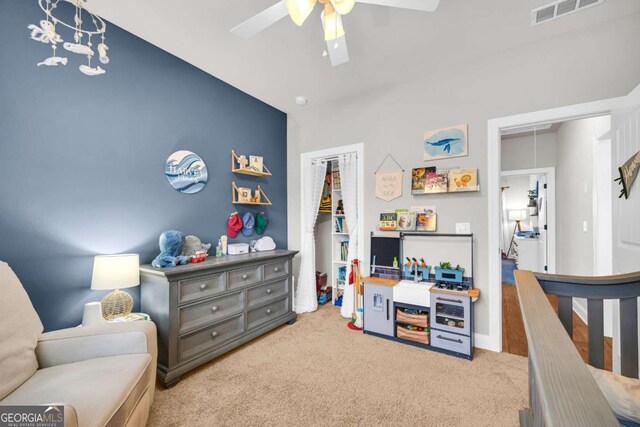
{"x": 324, "y": 227}
{"x": 521, "y": 152}
{"x": 574, "y": 191}
{"x": 555, "y": 72}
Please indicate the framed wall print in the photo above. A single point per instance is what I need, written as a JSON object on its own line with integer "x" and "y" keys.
{"x": 446, "y": 143}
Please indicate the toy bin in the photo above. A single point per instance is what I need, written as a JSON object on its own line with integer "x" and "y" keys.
{"x": 449, "y": 274}
{"x": 421, "y": 337}
{"x": 423, "y": 272}
{"x": 420, "y": 320}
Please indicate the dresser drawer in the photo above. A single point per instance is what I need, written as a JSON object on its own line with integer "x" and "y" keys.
{"x": 209, "y": 338}
{"x": 451, "y": 342}
{"x": 244, "y": 277}
{"x": 262, "y": 315}
{"x": 276, "y": 269}
{"x": 209, "y": 311}
{"x": 269, "y": 291}
{"x": 200, "y": 287}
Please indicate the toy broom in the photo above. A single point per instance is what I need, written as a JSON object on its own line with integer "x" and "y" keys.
{"x": 355, "y": 279}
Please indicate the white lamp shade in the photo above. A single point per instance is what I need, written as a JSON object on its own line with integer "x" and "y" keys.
{"x": 299, "y": 10}
{"x": 343, "y": 6}
{"x": 332, "y": 23}
{"x": 115, "y": 272}
{"x": 517, "y": 214}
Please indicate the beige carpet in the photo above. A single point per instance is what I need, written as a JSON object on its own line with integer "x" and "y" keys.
{"x": 317, "y": 372}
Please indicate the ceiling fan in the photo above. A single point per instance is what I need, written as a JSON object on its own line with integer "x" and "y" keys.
{"x": 333, "y": 10}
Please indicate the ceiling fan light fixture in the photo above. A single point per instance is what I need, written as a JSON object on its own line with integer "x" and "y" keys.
{"x": 343, "y": 6}
{"x": 332, "y": 23}
{"x": 299, "y": 10}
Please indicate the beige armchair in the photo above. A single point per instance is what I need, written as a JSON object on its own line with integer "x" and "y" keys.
{"x": 103, "y": 375}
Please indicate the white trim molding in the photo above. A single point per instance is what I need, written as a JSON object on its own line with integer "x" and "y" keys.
{"x": 494, "y": 129}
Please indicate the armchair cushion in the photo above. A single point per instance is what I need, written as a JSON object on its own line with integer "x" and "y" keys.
{"x": 622, "y": 393}
{"x": 19, "y": 331}
{"x": 89, "y": 342}
{"x": 103, "y": 392}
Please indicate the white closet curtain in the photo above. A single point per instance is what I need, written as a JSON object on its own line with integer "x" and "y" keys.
{"x": 348, "y": 167}
{"x": 306, "y": 298}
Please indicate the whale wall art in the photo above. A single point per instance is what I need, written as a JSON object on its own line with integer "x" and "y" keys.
{"x": 446, "y": 143}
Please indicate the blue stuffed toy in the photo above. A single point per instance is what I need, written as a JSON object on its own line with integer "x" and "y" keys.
{"x": 171, "y": 243}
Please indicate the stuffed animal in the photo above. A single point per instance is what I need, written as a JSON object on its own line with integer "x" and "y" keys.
{"x": 192, "y": 245}
{"x": 171, "y": 243}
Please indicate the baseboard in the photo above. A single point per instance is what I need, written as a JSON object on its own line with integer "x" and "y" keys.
{"x": 485, "y": 342}
{"x": 580, "y": 310}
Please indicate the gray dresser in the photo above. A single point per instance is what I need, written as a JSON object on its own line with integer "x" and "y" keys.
{"x": 206, "y": 309}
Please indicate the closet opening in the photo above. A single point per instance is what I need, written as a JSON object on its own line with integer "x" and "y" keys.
{"x": 331, "y": 227}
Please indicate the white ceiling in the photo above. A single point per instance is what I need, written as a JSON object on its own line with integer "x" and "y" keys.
{"x": 386, "y": 45}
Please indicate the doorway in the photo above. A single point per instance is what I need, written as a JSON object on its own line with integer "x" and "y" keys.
{"x": 496, "y": 127}
{"x": 329, "y": 255}
{"x": 529, "y": 213}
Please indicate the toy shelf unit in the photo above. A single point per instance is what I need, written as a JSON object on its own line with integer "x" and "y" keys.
{"x": 241, "y": 165}
{"x": 339, "y": 237}
{"x": 244, "y": 196}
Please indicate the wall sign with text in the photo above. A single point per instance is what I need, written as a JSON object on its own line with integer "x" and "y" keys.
{"x": 186, "y": 172}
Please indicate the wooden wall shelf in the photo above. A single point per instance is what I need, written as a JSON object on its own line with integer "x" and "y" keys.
{"x": 262, "y": 200}
{"x": 236, "y": 168}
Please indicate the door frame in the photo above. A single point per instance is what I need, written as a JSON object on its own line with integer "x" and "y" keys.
{"x": 494, "y": 138}
{"x": 329, "y": 154}
{"x": 551, "y": 209}
{"x": 602, "y": 267}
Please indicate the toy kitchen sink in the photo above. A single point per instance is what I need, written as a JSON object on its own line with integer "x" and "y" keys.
{"x": 414, "y": 293}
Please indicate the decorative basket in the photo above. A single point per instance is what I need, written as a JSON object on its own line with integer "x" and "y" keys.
{"x": 416, "y": 336}
{"x": 420, "y": 320}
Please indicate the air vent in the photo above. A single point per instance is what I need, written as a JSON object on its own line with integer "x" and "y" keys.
{"x": 566, "y": 6}
{"x": 559, "y": 9}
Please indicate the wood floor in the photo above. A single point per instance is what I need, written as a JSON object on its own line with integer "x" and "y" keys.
{"x": 513, "y": 337}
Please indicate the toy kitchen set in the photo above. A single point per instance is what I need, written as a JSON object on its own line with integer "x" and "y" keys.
{"x": 425, "y": 300}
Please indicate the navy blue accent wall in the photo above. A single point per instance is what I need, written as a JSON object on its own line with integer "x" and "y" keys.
{"x": 82, "y": 159}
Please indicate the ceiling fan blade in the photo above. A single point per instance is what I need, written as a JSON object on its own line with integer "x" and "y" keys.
{"x": 422, "y": 5}
{"x": 338, "y": 55}
{"x": 262, "y": 20}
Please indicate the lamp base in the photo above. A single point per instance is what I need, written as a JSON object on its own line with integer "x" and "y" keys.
{"x": 116, "y": 304}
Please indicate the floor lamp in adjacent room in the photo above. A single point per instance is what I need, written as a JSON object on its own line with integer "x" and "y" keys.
{"x": 516, "y": 215}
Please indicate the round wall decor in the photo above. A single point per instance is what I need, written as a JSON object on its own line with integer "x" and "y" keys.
{"x": 186, "y": 172}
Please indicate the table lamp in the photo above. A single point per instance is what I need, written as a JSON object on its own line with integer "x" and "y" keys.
{"x": 115, "y": 272}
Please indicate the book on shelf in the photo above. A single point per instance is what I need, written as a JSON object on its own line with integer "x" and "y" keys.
{"x": 388, "y": 221}
{"x": 341, "y": 226}
{"x": 437, "y": 182}
{"x": 344, "y": 251}
{"x": 406, "y": 220}
{"x": 463, "y": 180}
{"x": 336, "y": 180}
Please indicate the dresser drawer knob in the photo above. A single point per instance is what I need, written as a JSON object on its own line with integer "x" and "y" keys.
{"x": 203, "y": 286}
{"x": 214, "y": 308}
{"x": 268, "y": 291}
{"x": 276, "y": 269}
{"x": 214, "y": 334}
{"x": 268, "y": 311}
{"x": 244, "y": 277}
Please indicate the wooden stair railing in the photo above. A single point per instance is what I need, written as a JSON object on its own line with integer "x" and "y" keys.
{"x": 562, "y": 391}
